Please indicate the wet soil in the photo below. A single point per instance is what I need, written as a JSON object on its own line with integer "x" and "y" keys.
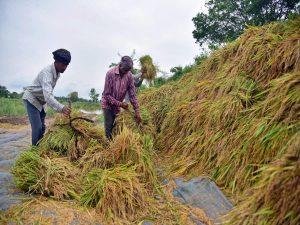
{"x": 13, "y": 140}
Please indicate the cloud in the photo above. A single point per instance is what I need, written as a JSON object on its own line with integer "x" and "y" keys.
{"x": 95, "y": 32}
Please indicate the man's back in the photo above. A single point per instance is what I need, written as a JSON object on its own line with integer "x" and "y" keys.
{"x": 40, "y": 92}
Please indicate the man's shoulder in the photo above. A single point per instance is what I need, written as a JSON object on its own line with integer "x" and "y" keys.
{"x": 112, "y": 70}
{"x": 46, "y": 70}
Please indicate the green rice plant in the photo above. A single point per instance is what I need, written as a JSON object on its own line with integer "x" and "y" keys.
{"x": 15, "y": 107}
{"x": 115, "y": 192}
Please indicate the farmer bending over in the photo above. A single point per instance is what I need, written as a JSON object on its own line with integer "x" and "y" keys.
{"x": 118, "y": 81}
{"x": 36, "y": 96}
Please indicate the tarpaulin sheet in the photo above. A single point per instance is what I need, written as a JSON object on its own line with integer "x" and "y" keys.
{"x": 203, "y": 193}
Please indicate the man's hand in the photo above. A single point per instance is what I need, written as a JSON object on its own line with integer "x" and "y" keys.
{"x": 138, "y": 118}
{"x": 66, "y": 110}
{"x": 124, "y": 105}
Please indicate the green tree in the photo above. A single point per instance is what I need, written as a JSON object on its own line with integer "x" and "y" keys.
{"x": 93, "y": 95}
{"x": 14, "y": 95}
{"x": 4, "y": 92}
{"x": 226, "y": 19}
{"x": 73, "y": 96}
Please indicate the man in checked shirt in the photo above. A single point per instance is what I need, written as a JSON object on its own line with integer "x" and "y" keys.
{"x": 40, "y": 93}
{"x": 118, "y": 82}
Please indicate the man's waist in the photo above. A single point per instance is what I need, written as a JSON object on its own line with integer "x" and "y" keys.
{"x": 106, "y": 105}
{"x": 34, "y": 94}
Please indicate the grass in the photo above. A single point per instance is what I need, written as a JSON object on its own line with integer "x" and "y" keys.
{"x": 12, "y": 107}
{"x": 15, "y": 107}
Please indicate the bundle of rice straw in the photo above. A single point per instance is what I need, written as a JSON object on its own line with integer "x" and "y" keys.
{"x": 116, "y": 192}
{"x": 147, "y": 65}
{"x": 50, "y": 177}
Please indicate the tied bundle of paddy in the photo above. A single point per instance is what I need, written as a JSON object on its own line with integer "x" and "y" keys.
{"x": 42, "y": 175}
{"x": 116, "y": 193}
{"x": 148, "y": 66}
{"x": 71, "y": 137}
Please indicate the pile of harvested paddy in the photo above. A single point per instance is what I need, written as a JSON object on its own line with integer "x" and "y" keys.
{"x": 275, "y": 198}
{"x": 130, "y": 147}
{"x": 235, "y": 113}
{"x": 224, "y": 111}
{"x": 74, "y": 151}
{"x": 127, "y": 147}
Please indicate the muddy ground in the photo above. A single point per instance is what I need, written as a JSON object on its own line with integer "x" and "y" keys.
{"x": 13, "y": 140}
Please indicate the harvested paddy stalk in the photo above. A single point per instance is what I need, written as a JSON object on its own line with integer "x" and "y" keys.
{"x": 130, "y": 147}
{"x": 50, "y": 177}
{"x": 275, "y": 198}
{"x": 26, "y": 170}
{"x": 148, "y": 66}
{"x": 116, "y": 193}
{"x": 126, "y": 118}
{"x": 127, "y": 147}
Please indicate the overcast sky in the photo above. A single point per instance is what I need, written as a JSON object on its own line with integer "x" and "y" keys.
{"x": 94, "y": 31}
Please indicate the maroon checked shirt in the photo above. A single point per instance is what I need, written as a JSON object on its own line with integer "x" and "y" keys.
{"x": 115, "y": 89}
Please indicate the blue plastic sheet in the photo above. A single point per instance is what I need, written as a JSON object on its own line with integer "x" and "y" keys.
{"x": 203, "y": 193}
